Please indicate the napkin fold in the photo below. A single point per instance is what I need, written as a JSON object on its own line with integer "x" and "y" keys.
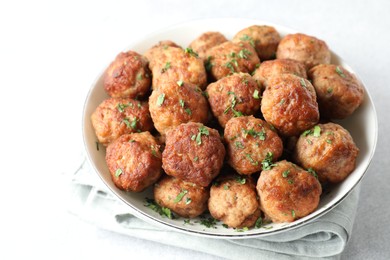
{"x": 325, "y": 237}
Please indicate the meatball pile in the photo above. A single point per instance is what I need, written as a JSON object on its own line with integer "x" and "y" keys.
{"x": 240, "y": 128}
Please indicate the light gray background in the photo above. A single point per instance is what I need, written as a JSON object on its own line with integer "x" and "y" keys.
{"x": 51, "y": 51}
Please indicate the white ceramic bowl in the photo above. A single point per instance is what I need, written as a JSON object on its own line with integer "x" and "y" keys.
{"x": 362, "y": 125}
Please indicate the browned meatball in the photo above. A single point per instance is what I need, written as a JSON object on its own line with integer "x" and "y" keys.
{"x": 205, "y": 42}
{"x": 184, "y": 198}
{"x": 174, "y": 103}
{"x": 127, "y": 76}
{"x": 329, "y": 150}
{"x": 234, "y": 96}
{"x": 263, "y": 38}
{"x": 134, "y": 161}
{"x": 249, "y": 141}
{"x": 272, "y": 68}
{"x": 234, "y": 201}
{"x": 156, "y": 50}
{"x": 229, "y": 57}
{"x": 176, "y": 64}
{"x": 287, "y": 192}
{"x": 193, "y": 153}
{"x": 307, "y": 49}
{"x": 117, "y": 116}
{"x": 339, "y": 93}
{"x": 289, "y": 104}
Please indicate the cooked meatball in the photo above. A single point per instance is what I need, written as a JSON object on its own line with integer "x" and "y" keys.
{"x": 134, "y": 161}
{"x": 263, "y": 38}
{"x": 117, "y": 116}
{"x": 127, "y": 76}
{"x": 193, "y": 153}
{"x": 249, "y": 140}
{"x": 234, "y": 96}
{"x": 307, "y": 49}
{"x": 156, "y": 50}
{"x": 176, "y": 64}
{"x": 272, "y": 68}
{"x": 289, "y": 104}
{"x": 234, "y": 201}
{"x": 288, "y": 192}
{"x": 339, "y": 93}
{"x": 329, "y": 150}
{"x": 174, "y": 103}
{"x": 184, "y": 198}
{"x": 229, "y": 57}
{"x": 205, "y": 42}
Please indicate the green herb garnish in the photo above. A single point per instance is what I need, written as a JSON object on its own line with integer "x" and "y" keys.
{"x": 191, "y": 52}
{"x": 317, "y": 131}
{"x": 312, "y": 172}
{"x": 248, "y": 39}
{"x": 252, "y": 132}
{"x": 259, "y": 222}
{"x": 241, "y": 180}
{"x": 160, "y": 99}
{"x": 243, "y": 54}
{"x": 208, "y": 222}
{"x": 180, "y": 83}
{"x": 118, "y": 172}
{"x": 249, "y": 157}
{"x": 256, "y": 94}
{"x": 239, "y": 145}
{"x": 340, "y": 72}
{"x": 293, "y": 213}
{"x": 202, "y": 131}
{"x": 285, "y": 173}
{"x": 303, "y": 83}
{"x": 267, "y": 162}
{"x": 165, "y": 212}
{"x": 166, "y": 67}
{"x": 180, "y": 195}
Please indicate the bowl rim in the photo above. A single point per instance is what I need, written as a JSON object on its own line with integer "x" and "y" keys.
{"x": 242, "y": 235}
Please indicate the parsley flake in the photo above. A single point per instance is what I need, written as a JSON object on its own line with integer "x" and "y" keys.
{"x": 118, "y": 172}
{"x": 317, "y": 131}
{"x": 249, "y": 157}
{"x": 180, "y": 83}
{"x": 166, "y": 67}
{"x": 267, "y": 162}
{"x": 180, "y": 196}
{"x": 241, "y": 180}
{"x": 340, "y": 72}
{"x": 312, "y": 172}
{"x": 191, "y": 52}
{"x": 256, "y": 94}
{"x": 243, "y": 54}
{"x": 165, "y": 212}
{"x": 285, "y": 173}
{"x": 160, "y": 99}
{"x": 303, "y": 83}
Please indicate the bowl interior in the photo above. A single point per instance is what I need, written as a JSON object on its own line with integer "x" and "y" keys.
{"x": 362, "y": 125}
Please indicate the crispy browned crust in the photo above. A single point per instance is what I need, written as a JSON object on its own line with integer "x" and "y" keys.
{"x": 117, "y": 116}
{"x": 204, "y": 42}
{"x": 138, "y": 158}
{"x": 289, "y": 104}
{"x": 339, "y": 93}
{"x": 285, "y": 199}
{"x": 307, "y": 49}
{"x": 184, "y": 198}
{"x": 332, "y": 154}
{"x": 127, "y": 76}
{"x": 186, "y": 158}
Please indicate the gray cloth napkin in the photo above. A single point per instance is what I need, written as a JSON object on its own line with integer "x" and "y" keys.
{"x": 325, "y": 237}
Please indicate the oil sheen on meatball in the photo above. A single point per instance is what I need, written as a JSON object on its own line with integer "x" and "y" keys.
{"x": 204, "y": 42}
{"x": 156, "y": 50}
{"x": 307, "y": 49}
{"x": 272, "y": 68}
{"x": 193, "y": 153}
{"x": 184, "y": 198}
{"x": 233, "y": 200}
{"x": 289, "y": 104}
{"x": 229, "y": 57}
{"x": 117, "y": 116}
{"x": 134, "y": 161}
{"x": 127, "y": 76}
{"x": 249, "y": 140}
{"x": 263, "y": 38}
{"x": 329, "y": 150}
{"x": 234, "y": 96}
{"x": 174, "y": 103}
{"x": 339, "y": 93}
{"x": 288, "y": 192}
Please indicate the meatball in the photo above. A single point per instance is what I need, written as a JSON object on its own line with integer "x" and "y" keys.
{"x": 339, "y": 93}
{"x": 158, "y": 49}
{"x": 289, "y": 104}
{"x": 288, "y": 192}
{"x": 193, "y": 153}
{"x": 272, "y": 68}
{"x": 329, "y": 150}
{"x": 229, "y": 57}
{"x": 263, "y": 38}
{"x": 127, "y": 76}
{"x": 234, "y": 201}
{"x": 134, "y": 161}
{"x": 174, "y": 103}
{"x": 117, "y": 116}
{"x": 184, "y": 198}
{"x": 307, "y": 49}
{"x": 234, "y": 96}
{"x": 205, "y": 42}
{"x": 249, "y": 140}
{"x": 176, "y": 64}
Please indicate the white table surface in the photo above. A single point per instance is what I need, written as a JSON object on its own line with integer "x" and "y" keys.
{"x": 51, "y": 51}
